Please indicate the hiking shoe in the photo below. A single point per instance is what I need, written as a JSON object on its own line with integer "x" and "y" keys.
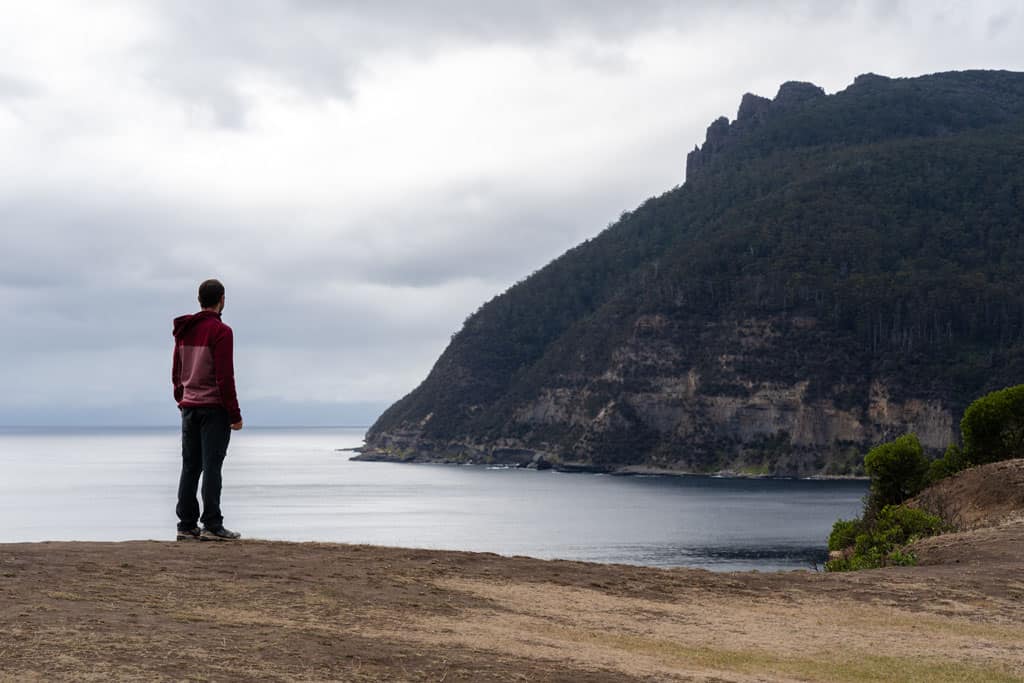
{"x": 188, "y": 534}
{"x": 218, "y": 534}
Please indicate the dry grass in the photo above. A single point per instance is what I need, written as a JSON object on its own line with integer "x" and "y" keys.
{"x": 728, "y": 637}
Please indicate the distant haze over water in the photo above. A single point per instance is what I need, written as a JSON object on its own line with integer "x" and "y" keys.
{"x": 293, "y": 484}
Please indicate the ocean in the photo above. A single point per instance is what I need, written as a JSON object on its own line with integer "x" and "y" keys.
{"x": 294, "y": 484}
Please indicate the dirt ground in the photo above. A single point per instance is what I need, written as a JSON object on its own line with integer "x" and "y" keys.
{"x": 285, "y": 611}
{"x": 978, "y": 497}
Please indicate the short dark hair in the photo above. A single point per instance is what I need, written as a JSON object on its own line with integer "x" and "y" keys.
{"x": 210, "y": 293}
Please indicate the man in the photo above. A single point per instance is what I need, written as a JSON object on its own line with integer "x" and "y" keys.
{"x": 203, "y": 374}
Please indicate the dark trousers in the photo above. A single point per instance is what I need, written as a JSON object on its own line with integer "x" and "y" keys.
{"x": 205, "y": 433}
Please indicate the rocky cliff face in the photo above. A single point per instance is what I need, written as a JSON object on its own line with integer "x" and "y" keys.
{"x": 657, "y": 399}
{"x": 837, "y": 270}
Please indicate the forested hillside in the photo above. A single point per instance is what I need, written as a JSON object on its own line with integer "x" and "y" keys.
{"x": 835, "y": 270}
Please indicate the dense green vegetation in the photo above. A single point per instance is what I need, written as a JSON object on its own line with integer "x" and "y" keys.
{"x": 882, "y": 542}
{"x": 991, "y": 428}
{"x": 898, "y": 470}
{"x": 890, "y": 216}
{"x": 951, "y": 462}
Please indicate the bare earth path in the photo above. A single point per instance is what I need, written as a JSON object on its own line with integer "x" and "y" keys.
{"x": 282, "y": 611}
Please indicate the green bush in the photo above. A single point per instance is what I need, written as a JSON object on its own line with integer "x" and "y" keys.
{"x": 844, "y": 533}
{"x": 993, "y": 427}
{"x": 899, "y": 558}
{"x": 899, "y": 524}
{"x": 898, "y": 470}
{"x": 949, "y": 464}
{"x": 882, "y": 544}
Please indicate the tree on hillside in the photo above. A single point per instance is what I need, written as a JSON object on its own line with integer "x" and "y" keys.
{"x": 993, "y": 427}
{"x": 898, "y": 470}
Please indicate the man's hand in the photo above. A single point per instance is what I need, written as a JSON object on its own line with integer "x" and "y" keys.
{"x": 237, "y": 425}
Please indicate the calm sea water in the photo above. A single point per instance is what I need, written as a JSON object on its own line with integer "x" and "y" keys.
{"x": 293, "y": 484}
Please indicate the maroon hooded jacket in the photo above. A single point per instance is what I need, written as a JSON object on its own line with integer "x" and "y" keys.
{"x": 203, "y": 371}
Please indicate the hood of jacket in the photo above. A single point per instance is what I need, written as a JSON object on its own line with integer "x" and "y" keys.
{"x": 184, "y": 323}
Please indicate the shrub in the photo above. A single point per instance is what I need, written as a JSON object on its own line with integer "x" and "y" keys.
{"x": 882, "y": 543}
{"x": 844, "y": 533}
{"x": 993, "y": 426}
{"x": 899, "y": 524}
{"x": 898, "y": 470}
{"x": 899, "y": 558}
{"x": 949, "y": 464}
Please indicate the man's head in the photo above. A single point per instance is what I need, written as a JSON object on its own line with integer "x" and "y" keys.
{"x": 211, "y": 295}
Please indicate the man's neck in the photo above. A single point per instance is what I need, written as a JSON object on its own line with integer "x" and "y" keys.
{"x": 215, "y": 309}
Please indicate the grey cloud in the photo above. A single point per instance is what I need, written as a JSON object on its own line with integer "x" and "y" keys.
{"x": 489, "y": 231}
{"x": 209, "y": 99}
{"x": 91, "y": 273}
{"x": 320, "y": 47}
{"x": 13, "y": 88}
{"x": 506, "y": 237}
{"x": 208, "y": 48}
{"x": 87, "y": 278}
{"x": 999, "y": 22}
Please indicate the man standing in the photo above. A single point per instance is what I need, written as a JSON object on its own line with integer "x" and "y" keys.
{"x": 203, "y": 374}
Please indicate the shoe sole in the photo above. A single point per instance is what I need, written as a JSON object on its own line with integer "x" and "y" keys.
{"x": 214, "y": 539}
{"x": 187, "y": 537}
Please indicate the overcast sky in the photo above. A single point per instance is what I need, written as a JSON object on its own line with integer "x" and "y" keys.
{"x": 361, "y": 176}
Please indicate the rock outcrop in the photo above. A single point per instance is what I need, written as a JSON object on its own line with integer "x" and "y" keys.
{"x": 721, "y": 134}
{"x": 796, "y": 93}
{"x": 752, "y": 106}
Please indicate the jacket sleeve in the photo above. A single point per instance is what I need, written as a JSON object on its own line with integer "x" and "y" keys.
{"x": 179, "y": 389}
{"x": 224, "y": 367}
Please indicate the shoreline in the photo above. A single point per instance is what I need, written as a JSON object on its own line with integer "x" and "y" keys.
{"x": 811, "y": 565}
{"x": 582, "y": 468}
